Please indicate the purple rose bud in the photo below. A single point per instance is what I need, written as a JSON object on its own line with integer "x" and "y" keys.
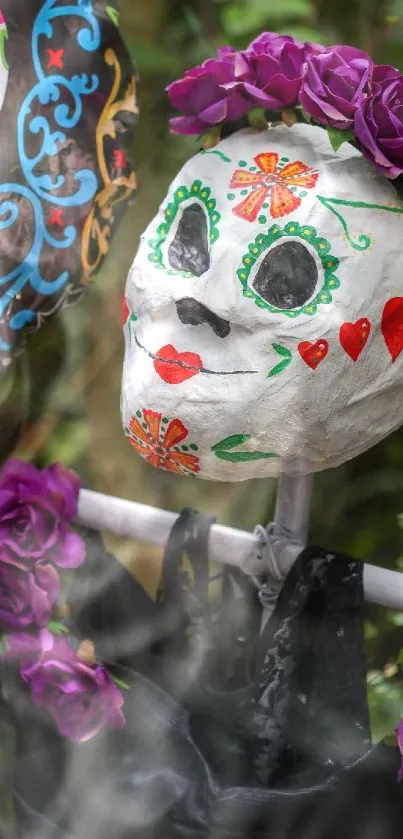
{"x": 36, "y": 508}
{"x": 210, "y": 94}
{"x": 64, "y": 487}
{"x": 334, "y": 84}
{"x": 27, "y": 647}
{"x": 26, "y": 597}
{"x": 313, "y": 49}
{"x": 271, "y": 43}
{"x": 275, "y": 65}
{"x": 82, "y": 698}
{"x": 379, "y": 121}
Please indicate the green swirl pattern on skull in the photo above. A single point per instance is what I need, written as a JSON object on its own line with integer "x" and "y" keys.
{"x": 306, "y": 233}
{"x": 197, "y": 192}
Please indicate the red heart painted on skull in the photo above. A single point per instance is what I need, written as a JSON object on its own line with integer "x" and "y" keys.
{"x": 313, "y": 354}
{"x": 392, "y": 326}
{"x": 354, "y": 336}
{"x": 174, "y": 367}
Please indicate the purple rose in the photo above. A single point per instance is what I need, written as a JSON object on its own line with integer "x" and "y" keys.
{"x": 312, "y": 48}
{"x": 275, "y": 64}
{"x": 210, "y": 94}
{"x": 270, "y": 43}
{"x": 82, "y": 698}
{"x": 26, "y": 597}
{"x": 379, "y": 121}
{"x": 334, "y": 84}
{"x": 36, "y": 508}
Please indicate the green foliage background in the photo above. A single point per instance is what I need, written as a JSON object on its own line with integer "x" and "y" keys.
{"x": 73, "y": 366}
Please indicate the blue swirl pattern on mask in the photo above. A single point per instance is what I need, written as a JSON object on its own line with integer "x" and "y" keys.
{"x": 39, "y": 188}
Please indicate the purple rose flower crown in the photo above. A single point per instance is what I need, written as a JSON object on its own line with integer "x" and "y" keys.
{"x": 36, "y": 543}
{"x": 278, "y": 79}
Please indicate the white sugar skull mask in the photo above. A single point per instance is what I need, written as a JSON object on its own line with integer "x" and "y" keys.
{"x": 264, "y": 311}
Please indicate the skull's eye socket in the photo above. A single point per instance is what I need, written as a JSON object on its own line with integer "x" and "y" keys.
{"x": 189, "y": 250}
{"x": 287, "y": 276}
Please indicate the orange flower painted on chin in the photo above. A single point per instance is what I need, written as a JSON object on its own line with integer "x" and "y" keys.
{"x": 158, "y": 440}
{"x": 275, "y": 179}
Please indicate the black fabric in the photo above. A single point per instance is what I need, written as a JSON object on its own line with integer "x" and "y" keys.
{"x": 228, "y": 732}
{"x": 312, "y": 712}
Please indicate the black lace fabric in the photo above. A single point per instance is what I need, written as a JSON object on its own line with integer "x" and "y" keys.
{"x": 229, "y": 732}
{"x": 312, "y": 715}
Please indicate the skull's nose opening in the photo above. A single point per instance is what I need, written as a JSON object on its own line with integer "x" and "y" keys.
{"x": 193, "y": 313}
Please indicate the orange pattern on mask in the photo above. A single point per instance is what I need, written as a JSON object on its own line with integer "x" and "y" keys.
{"x": 274, "y": 180}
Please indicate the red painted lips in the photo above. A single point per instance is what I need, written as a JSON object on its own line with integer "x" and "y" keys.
{"x": 174, "y": 367}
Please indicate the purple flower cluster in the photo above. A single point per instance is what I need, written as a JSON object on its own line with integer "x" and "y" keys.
{"x": 339, "y": 87}
{"x": 81, "y": 697}
{"x": 268, "y": 74}
{"x": 36, "y": 540}
{"x": 36, "y": 509}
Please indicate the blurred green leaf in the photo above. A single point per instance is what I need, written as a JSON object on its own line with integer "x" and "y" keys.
{"x": 68, "y": 442}
{"x": 304, "y": 33}
{"x": 119, "y": 682}
{"x": 385, "y": 706}
{"x": 257, "y": 119}
{"x": 247, "y": 16}
{"x": 398, "y": 619}
{"x": 57, "y": 628}
{"x": 152, "y": 59}
{"x": 370, "y": 631}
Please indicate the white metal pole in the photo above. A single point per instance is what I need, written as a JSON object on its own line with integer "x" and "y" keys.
{"x": 293, "y": 504}
{"x": 227, "y": 545}
{"x": 291, "y": 525}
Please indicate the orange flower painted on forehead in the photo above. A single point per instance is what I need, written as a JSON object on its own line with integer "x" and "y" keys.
{"x": 158, "y": 440}
{"x": 272, "y": 179}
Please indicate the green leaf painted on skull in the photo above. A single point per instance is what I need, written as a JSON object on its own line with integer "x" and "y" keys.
{"x": 224, "y": 450}
{"x": 362, "y": 242}
{"x": 131, "y": 321}
{"x": 231, "y": 442}
{"x": 337, "y": 138}
{"x": 219, "y": 153}
{"x": 286, "y": 356}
